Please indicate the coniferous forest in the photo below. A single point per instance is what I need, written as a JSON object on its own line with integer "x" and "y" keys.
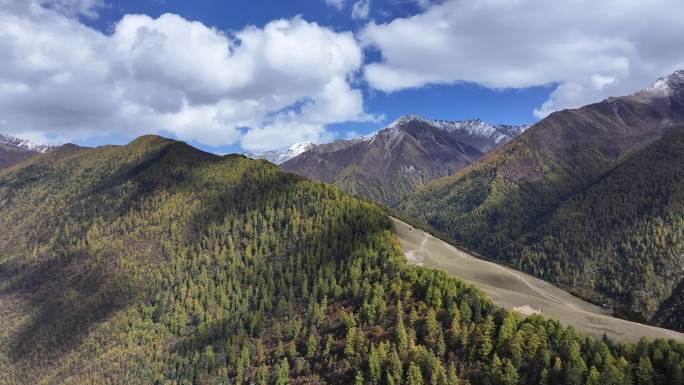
{"x": 156, "y": 263}
{"x": 615, "y": 238}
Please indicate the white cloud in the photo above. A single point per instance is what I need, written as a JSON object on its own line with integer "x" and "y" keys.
{"x": 64, "y": 80}
{"x": 591, "y": 49}
{"x": 360, "y": 10}
{"x": 87, "y": 8}
{"x": 268, "y": 137}
{"x": 339, "y": 4}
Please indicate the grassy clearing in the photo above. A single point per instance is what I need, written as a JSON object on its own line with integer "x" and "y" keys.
{"x": 519, "y": 291}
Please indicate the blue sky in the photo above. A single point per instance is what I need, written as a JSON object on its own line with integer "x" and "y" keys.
{"x": 235, "y": 14}
{"x": 449, "y": 102}
{"x": 232, "y": 76}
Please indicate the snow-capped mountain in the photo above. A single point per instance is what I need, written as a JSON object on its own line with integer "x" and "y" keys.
{"x": 280, "y": 156}
{"x": 392, "y": 162}
{"x": 666, "y": 86}
{"x": 15, "y": 150}
{"x": 23, "y": 144}
{"x": 473, "y": 130}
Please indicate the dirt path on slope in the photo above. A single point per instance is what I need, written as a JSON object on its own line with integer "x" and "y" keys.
{"x": 518, "y": 291}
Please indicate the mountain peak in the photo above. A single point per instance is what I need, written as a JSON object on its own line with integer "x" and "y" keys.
{"x": 281, "y": 156}
{"x": 299, "y": 147}
{"x": 408, "y": 118}
{"x": 666, "y": 85}
{"x": 23, "y": 144}
{"x": 677, "y": 77}
{"x": 473, "y": 127}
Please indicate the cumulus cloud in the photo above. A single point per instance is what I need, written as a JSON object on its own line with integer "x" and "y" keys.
{"x": 589, "y": 49}
{"x": 266, "y": 87}
{"x": 360, "y": 10}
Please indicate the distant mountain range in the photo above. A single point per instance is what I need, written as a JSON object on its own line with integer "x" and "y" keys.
{"x": 15, "y": 150}
{"x": 590, "y": 198}
{"x": 391, "y": 163}
{"x": 281, "y": 156}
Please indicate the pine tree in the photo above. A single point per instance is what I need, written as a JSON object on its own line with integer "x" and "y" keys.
{"x": 395, "y": 368}
{"x": 506, "y": 330}
{"x": 400, "y": 336}
{"x": 282, "y": 372}
{"x": 510, "y": 374}
{"x": 452, "y": 376}
{"x": 612, "y": 375}
{"x": 454, "y": 328}
{"x": 594, "y": 377}
{"x": 485, "y": 337}
{"x": 496, "y": 370}
{"x": 350, "y": 343}
{"x": 389, "y": 379}
{"x": 311, "y": 346}
{"x": 556, "y": 376}
{"x": 374, "y": 365}
{"x": 575, "y": 368}
{"x": 261, "y": 375}
{"x": 644, "y": 372}
{"x": 432, "y": 330}
{"x": 414, "y": 376}
{"x": 358, "y": 379}
{"x": 438, "y": 375}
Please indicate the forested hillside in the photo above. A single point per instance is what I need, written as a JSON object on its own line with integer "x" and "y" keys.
{"x": 591, "y": 199}
{"x": 670, "y": 312}
{"x": 622, "y": 237}
{"x": 155, "y": 263}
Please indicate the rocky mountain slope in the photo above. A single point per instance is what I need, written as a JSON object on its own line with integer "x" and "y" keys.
{"x": 390, "y": 164}
{"x": 157, "y": 263}
{"x": 14, "y": 150}
{"x": 591, "y": 199}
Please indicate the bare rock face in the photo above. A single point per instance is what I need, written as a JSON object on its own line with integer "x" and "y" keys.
{"x": 392, "y": 162}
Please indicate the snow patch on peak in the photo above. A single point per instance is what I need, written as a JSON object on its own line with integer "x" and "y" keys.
{"x": 23, "y": 144}
{"x": 299, "y": 148}
{"x": 475, "y": 127}
{"x": 370, "y": 136}
{"x": 472, "y": 127}
{"x": 408, "y": 118}
{"x": 282, "y": 156}
{"x": 665, "y": 86}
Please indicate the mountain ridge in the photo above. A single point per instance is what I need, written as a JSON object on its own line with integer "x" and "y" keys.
{"x": 392, "y": 162}
{"x": 14, "y": 150}
{"x": 499, "y": 204}
{"x": 24, "y": 144}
